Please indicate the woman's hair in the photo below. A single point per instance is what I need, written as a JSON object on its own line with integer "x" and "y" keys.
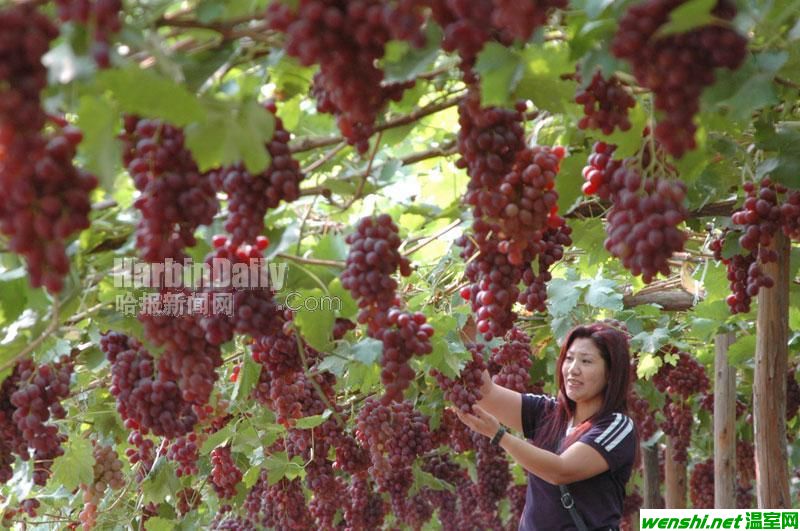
{"x": 613, "y": 347}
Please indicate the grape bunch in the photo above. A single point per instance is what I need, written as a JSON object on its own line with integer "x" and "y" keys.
{"x": 175, "y": 198}
{"x": 494, "y": 474}
{"x": 142, "y": 451}
{"x": 49, "y": 202}
{"x": 107, "y": 472}
{"x": 285, "y": 506}
{"x": 792, "y": 394}
{"x": 745, "y": 463}
{"x": 372, "y": 260}
{"x": 346, "y": 39}
{"x": 102, "y": 16}
{"x": 250, "y": 196}
{"x": 678, "y": 421}
{"x": 630, "y": 505}
{"x": 790, "y": 214}
{"x": 145, "y": 402}
{"x": 40, "y": 390}
{"x": 701, "y": 485}
{"x": 642, "y": 226}
{"x": 403, "y": 335}
{"x": 395, "y": 435}
{"x": 521, "y": 19}
{"x": 186, "y": 500}
{"x": 512, "y": 362}
{"x": 599, "y": 172}
{"x": 677, "y": 67}
{"x": 225, "y": 475}
{"x": 760, "y": 218}
{"x": 365, "y": 508}
{"x": 686, "y": 378}
{"x": 184, "y": 452}
{"x": 605, "y": 104}
{"x": 642, "y": 415}
{"x": 464, "y": 390}
{"x": 739, "y": 268}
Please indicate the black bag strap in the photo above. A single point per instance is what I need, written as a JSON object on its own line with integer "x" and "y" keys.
{"x": 569, "y": 504}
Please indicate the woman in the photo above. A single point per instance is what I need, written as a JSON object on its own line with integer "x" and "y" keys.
{"x": 582, "y": 438}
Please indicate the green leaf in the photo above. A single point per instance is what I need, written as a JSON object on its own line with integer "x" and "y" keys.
{"x": 402, "y": 61}
{"x": 501, "y": 69}
{"x": 99, "y": 122}
{"x": 145, "y": 93}
{"x": 231, "y": 133}
{"x": 217, "y": 438}
{"x": 650, "y": 341}
{"x": 279, "y": 466}
{"x": 569, "y": 180}
{"x": 160, "y": 483}
{"x": 702, "y": 328}
{"x": 648, "y": 365}
{"x": 314, "y": 317}
{"x": 602, "y": 293}
{"x": 541, "y": 81}
{"x": 367, "y": 351}
{"x": 307, "y": 423}
{"x": 156, "y": 523}
{"x": 563, "y": 295}
{"x": 424, "y": 479}
{"x": 690, "y": 15}
{"x": 251, "y": 477}
{"x": 742, "y": 351}
{"x": 348, "y": 307}
{"x": 75, "y": 466}
{"x": 248, "y": 378}
{"x": 330, "y": 247}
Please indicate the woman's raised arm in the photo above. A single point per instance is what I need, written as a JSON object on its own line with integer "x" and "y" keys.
{"x": 502, "y": 403}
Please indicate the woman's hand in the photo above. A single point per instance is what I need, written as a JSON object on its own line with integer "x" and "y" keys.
{"x": 486, "y": 384}
{"x": 481, "y": 421}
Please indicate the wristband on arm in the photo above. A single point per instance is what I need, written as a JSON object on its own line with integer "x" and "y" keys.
{"x": 498, "y": 436}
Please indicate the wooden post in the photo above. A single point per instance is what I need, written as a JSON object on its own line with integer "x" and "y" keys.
{"x": 724, "y": 425}
{"x": 651, "y": 481}
{"x": 769, "y": 396}
{"x": 675, "y": 478}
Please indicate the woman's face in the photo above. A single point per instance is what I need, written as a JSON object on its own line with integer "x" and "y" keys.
{"x": 584, "y": 371}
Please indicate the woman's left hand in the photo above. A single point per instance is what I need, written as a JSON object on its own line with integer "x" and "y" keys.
{"x": 481, "y": 421}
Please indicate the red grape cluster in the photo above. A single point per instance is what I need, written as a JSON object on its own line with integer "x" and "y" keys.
{"x": 403, "y": 335}
{"x": 790, "y": 214}
{"x": 146, "y": 402}
{"x": 184, "y": 452}
{"x": 761, "y": 217}
{"x": 142, "y": 451}
{"x": 225, "y": 475}
{"x": 285, "y": 507}
{"x": 512, "y": 362}
{"x": 365, "y": 508}
{"x": 642, "y": 415}
{"x": 677, "y": 67}
{"x": 231, "y": 522}
{"x": 494, "y": 474}
{"x": 464, "y": 390}
{"x": 250, "y": 196}
{"x": 701, "y": 485}
{"x": 40, "y": 390}
{"x": 372, "y": 260}
{"x": 792, "y": 394}
{"x": 605, "y": 104}
{"x": 678, "y": 421}
{"x": 346, "y": 39}
{"x": 600, "y": 170}
{"x": 107, "y": 472}
{"x": 642, "y": 225}
{"x": 175, "y": 198}
{"x": 739, "y": 268}
{"x": 103, "y": 16}
{"x": 30, "y": 507}
{"x": 511, "y": 191}
{"x": 521, "y": 19}
{"x": 88, "y": 515}
{"x": 630, "y": 505}
{"x": 686, "y": 378}
{"x": 350, "y": 456}
{"x": 48, "y": 200}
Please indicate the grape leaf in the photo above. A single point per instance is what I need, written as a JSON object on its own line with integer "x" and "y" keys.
{"x": 75, "y": 466}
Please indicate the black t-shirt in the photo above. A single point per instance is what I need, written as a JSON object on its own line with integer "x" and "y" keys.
{"x": 599, "y": 498}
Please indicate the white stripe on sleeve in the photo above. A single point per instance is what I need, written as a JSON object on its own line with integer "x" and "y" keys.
{"x": 628, "y": 427}
{"x": 611, "y": 429}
